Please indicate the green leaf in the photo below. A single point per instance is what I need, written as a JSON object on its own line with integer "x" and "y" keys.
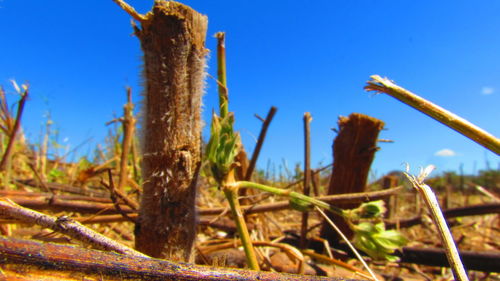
{"x": 222, "y": 147}
{"x": 373, "y": 209}
{"x": 55, "y": 174}
{"x": 376, "y": 241}
{"x": 390, "y": 239}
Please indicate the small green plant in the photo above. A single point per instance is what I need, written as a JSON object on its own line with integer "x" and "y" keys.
{"x": 376, "y": 241}
{"x": 221, "y": 150}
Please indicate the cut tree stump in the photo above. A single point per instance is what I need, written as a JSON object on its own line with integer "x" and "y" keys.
{"x": 172, "y": 38}
{"x": 353, "y": 152}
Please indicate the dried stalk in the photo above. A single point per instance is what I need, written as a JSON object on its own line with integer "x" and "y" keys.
{"x": 307, "y": 175}
{"x": 490, "y": 195}
{"x": 440, "y": 222}
{"x": 86, "y": 204}
{"x": 457, "y": 123}
{"x": 113, "y": 193}
{"x": 66, "y": 226}
{"x": 5, "y": 163}
{"x": 260, "y": 142}
{"x": 131, "y": 11}
{"x": 128, "y": 123}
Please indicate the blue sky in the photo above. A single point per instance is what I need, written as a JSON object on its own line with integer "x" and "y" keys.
{"x": 296, "y": 55}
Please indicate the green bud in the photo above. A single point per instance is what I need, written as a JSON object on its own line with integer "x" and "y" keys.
{"x": 369, "y": 210}
{"x": 377, "y": 242}
{"x": 222, "y": 146}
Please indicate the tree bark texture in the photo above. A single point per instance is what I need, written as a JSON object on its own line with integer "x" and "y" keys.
{"x": 172, "y": 38}
{"x": 353, "y": 152}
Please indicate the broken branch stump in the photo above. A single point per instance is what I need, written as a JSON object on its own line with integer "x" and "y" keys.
{"x": 353, "y": 152}
{"x": 172, "y": 38}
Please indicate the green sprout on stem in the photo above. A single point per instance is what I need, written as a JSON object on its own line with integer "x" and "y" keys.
{"x": 224, "y": 145}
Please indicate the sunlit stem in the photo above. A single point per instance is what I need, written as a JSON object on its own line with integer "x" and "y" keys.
{"x": 231, "y": 193}
{"x": 221, "y": 74}
{"x": 291, "y": 194}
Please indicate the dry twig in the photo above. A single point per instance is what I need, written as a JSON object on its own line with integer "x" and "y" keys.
{"x": 66, "y": 226}
{"x": 440, "y": 222}
{"x": 457, "y": 123}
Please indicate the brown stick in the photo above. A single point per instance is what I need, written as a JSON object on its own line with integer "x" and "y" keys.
{"x": 302, "y": 179}
{"x": 117, "y": 193}
{"x": 390, "y": 203}
{"x": 83, "y": 204}
{"x": 128, "y": 123}
{"x": 315, "y": 180}
{"x": 113, "y": 196}
{"x": 36, "y": 258}
{"x": 172, "y": 38}
{"x": 66, "y": 226}
{"x": 307, "y": 175}
{"x": 6, "y": 158}
{"x": 474, "y": 210}
{"x": 260, "y": 142}
{"x": 482, "y": 261}
{"x": 56, "y": 204}
{"x": 89, "y": 191}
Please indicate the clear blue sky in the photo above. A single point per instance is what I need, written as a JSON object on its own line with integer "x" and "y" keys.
{"x": 296, "y": 55}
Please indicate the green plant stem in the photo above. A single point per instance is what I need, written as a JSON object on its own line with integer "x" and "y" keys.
{"x": 457, "y": 123}
{"x": 307, "y": 175}
{"x": 221, "y": 74}
{"x": 291, "y": 194}
{"x": 230, "y": 191}
{"x": 232, "y": 198}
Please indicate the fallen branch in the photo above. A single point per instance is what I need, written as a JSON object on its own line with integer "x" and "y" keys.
{"x": 113, "y": 195}
{"x": 13, "y": 194}
{"x": 66, "y": 226}
{"x": 88, "y": 191}
{"x": 56, "y": 203}
{"x": 84, "y": 204}
{"x": 482, "y": 261}
{"x": 39, "y": 258}
{"x": 475, "y": 210}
